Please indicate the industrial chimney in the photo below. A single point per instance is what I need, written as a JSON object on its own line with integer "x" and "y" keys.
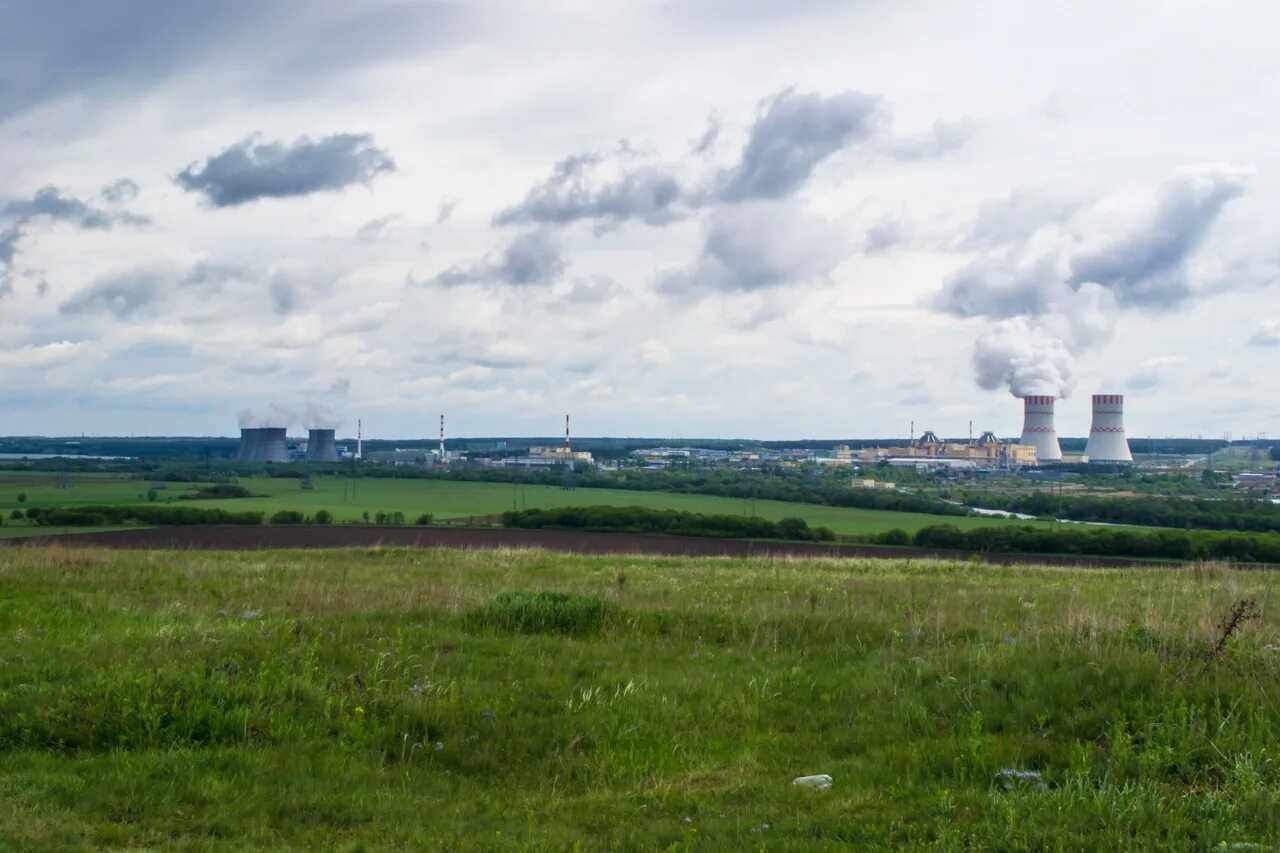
{"x": 1107, "y": 442}
{"x": 1038, "y": 429}
{"x": 272, "y": 445}
{"x": 321, "y": 446}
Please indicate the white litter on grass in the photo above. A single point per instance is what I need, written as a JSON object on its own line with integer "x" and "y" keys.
{"x": 820, "y": 781}
{"x": 1010, "y": 778}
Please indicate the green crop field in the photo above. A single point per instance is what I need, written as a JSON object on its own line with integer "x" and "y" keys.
{"x": 448, "y": 500}
{"x": 391, "y": 698}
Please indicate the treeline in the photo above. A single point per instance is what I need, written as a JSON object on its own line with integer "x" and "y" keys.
{"x": 635, "y": 519}
{"x": 1097, "y": 541}
{"x": 1233, "y": 514}
{"x": 94, "y": 516}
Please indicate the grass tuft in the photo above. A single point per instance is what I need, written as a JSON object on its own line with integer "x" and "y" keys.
{"x": 542, "y": 613}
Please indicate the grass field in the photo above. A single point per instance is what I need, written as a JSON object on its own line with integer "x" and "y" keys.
{"x": 386, "y": 698}
{"x": 450, "y": 500}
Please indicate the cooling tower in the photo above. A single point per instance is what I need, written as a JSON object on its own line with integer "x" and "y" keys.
{"x": 1038, "y": 429}
{"x": 248, "y": 445}
{"x": 272, "y": 445}
{"x": 1107, "y": 442}
{"x": 321, "y": 446}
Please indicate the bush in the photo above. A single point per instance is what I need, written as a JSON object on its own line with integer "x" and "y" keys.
{"x": 16, "y": 514}
{"x": 323, "y": 516}
{"x": 141, "y": 514}
{"x": 424, "y": 519}
{"x": 634, "y": 519}
{"x": 542, "y": 613}
{"x": 288, "y": 516}
{"x": 218, "y": 491}
{"x": 896, "y": 536}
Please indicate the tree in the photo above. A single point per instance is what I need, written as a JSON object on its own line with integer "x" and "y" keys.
{"x": 16, "y": 514}
{"x": 152, "y": 495}
{"x": 323, "y": 516}
{"x": 22, "y": 497}
{"x": 424, "y": 519}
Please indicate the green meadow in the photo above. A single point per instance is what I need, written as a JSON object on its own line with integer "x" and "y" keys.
{"x": 348, "y": 500}
{"x": 516, "y": 700}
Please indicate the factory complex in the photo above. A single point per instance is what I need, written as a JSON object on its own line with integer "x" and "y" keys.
{"x": 1037, "y": 446}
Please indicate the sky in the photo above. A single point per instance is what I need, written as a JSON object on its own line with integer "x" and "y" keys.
{"x": 709, "y": 218}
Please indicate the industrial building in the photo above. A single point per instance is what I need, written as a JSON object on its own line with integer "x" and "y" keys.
{"x": 929, "y": 451}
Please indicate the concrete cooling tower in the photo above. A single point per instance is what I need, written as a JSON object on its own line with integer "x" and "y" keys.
{"x": 1038, "y": 429}
{"x": 248, "y": 445}
{"x": 321, "y": 446}
{"x": 1107, "y": 442}
{"x": 272, "y": 446}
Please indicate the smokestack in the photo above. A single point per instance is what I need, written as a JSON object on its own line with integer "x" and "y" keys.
{"x": 272, "y": 445}
{"x": 359, "y": 439}
{"x": 321, "y": 446}
{"x": 566, "y": 434}
{"x": 1038, "y": 429}
{"x": 1107, "y": 442}
{"x": 442, "y": 438}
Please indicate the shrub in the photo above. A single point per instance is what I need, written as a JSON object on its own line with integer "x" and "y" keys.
{"x": 287, "y": 516}
{"x": 17, "y": 513}
{"x": 323, "y": 516}
{"x": 424, "y": 519}
{"x": 542, "y": 613}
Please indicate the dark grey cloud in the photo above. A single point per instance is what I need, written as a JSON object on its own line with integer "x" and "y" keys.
{"x": 530, "y": 259}
{"x": 884, "y": 237}
{"x": 9, "y": 238}
{"x": 647, "y": 192}
{"x": 707, "y": 142}
{"x": 49, "y": 202}
{"x": 759, "y": 246}
{"x": 1146, "y": 264}
{"x": 998, "y": 286}
{"x": 1015, "y": 218}
{"x": 121, "y": 191}
{"x": 57, "y": 48}
{"x": 252, "y": 170}
{"x": 376, "y": 228}
{"x": 794, "y": 133}
{"x": 121, "y": 295}
{"x": 445, "y": 211}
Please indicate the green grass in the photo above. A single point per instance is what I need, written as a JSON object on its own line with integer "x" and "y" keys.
{"x": 453, "y": 500}
{"x": 360, "y": 699}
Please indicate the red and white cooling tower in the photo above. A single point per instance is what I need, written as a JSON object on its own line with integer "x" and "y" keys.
{"x": 1107, "y": 442}
{"x": 1038, "y": 429}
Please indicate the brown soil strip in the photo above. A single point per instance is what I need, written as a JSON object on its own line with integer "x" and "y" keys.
{"x": 260, "y": 537}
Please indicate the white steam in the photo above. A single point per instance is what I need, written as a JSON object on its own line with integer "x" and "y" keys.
{"x": 1025, "y": 357}
{"x": 308, "y": 414}
{"x": 1036, "y": 354}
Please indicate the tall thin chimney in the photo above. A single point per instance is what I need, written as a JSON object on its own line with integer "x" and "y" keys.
{"x": 1107, "y": 441}
{"x": 1038, "y": 429}
{"x": 359, "y": 439}
{"x": 442, "y": 438}
{"x": 566, "y": 434}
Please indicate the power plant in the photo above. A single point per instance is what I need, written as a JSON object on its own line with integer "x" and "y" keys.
{"x": 321, "y": 446}
{"x": 263, "y": 444}
{"x": 1107, "y": 442}
{"x": 1038, "y": 429}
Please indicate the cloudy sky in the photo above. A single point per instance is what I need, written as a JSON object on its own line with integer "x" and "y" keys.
{"x": 820, "y": 218}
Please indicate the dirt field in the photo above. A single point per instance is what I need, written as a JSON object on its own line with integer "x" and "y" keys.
{"x": 260, "y": 537}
